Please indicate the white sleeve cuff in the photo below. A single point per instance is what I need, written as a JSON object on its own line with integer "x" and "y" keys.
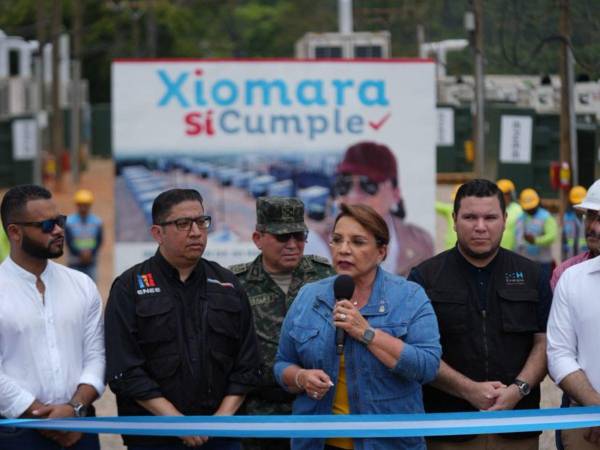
{"x": 562, "y": 368}
{"x": 94, "y": 381}
{"x": 18, "y": 406}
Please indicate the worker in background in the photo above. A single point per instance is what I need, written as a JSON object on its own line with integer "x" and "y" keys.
{"x": 84, "y": 235}
{"x": 513, "y": 212}
{"x": 536, "y": 231}
{"x": 445, "y": 210}
{"x": 572, "y": 237}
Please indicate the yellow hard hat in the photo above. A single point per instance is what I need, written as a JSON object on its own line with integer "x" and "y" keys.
{"x": 505, "y": 185}
{"x": 529, "y": 199}
{"x": 83, "y": 197}
{"x": 577, "y": 194}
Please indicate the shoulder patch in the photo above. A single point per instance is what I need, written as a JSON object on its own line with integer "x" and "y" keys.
{"x": 239, "y": 268}
{"x": 319, "y": 259}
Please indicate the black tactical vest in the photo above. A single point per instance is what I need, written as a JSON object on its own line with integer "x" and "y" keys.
{"x": 484, "y": 344}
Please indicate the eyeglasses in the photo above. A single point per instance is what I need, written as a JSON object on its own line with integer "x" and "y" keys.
{"x": 46, "y": 225}
{"x": 591, "y": 215}
{"x": 299, "y": 236}
{"x": 354, "y": 242}
{"x": 343, "y": 183}
{"x": 185, "y": 223}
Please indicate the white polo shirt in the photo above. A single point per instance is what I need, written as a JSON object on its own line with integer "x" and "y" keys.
{"x": 48, "y": 348}
{"x": 573, "y": 331}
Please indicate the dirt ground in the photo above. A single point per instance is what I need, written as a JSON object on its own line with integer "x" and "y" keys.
{"x": 100, "y": 180}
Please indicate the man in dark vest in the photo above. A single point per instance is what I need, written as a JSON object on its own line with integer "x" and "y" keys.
{"x": 492, "y": 307}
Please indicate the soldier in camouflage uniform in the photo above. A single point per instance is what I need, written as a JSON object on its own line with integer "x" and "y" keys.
{"x": 272, "y": 281}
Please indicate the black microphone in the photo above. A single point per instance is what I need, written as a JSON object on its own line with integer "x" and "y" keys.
{"x": 343, "y": 287}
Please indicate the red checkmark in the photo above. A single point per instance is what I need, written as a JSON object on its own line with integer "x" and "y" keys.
{"x": 377, "y": 125}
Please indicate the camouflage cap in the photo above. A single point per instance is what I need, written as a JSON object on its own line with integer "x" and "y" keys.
{"x": 280, "y": 215}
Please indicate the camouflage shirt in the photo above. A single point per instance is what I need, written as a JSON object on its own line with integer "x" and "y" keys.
{"x": 269, "y": 306}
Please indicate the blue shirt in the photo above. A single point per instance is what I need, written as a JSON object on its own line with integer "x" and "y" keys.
{"x": 396, "y": 306}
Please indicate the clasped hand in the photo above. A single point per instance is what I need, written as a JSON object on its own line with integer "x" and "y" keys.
{"x": 65, "y": 439}
{"x": 492, "y": 395}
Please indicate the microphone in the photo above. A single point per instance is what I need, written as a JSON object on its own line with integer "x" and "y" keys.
{"x": 343, "y": 287}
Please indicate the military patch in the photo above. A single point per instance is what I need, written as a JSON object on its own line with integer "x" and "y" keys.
{"x": 261, "y": 299}
{"x": 239, "y": 268}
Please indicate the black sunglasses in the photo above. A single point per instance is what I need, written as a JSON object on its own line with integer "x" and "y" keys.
{"x": 591, "y": 215}
{"x": 343, "y": 183}
{"x": 46, "y": 225}
{"x": 299, "y": 236}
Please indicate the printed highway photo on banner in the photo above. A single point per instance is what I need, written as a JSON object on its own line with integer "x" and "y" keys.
{"x": 239, "y": 129}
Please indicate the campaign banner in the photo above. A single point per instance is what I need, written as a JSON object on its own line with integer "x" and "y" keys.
{"x": 239, "y": 129}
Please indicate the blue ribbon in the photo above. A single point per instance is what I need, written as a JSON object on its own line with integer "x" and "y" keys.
{"x": 323, "y": 426}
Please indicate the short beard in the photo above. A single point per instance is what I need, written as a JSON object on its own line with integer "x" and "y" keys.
{"x": 35, "y": 250}
{"x": 470, "y": 253}
{"x": 594, "y": 251}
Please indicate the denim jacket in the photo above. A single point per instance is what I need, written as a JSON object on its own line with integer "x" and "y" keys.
{"x": 398, "y": 307}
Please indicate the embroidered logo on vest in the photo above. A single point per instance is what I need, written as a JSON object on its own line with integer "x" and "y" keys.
{"x": 146, "y": 284}
{"x": 513, "y": 278}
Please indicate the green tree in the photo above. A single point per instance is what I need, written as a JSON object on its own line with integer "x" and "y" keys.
{"x": 520, "y": 35}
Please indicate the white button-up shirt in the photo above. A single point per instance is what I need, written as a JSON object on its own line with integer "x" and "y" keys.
{"x": 49, "y": 345}
{"x": 573, "y": 331}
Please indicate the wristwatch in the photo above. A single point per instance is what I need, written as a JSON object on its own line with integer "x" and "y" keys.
{"x": 368, "y": 336}
{"x": 524, "y": 388}
{"x": 79, "y": 409}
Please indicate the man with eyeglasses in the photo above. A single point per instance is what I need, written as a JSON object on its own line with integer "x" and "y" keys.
{"x": 573, "y": 331}
{"x": 180, "y": 338}
{"x": 368, "y": 175}
{"x": 272, "y": 281}
{"x": 51, "y": 329}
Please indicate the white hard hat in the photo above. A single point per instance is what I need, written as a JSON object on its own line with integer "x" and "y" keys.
{"x": 592, "y": 198}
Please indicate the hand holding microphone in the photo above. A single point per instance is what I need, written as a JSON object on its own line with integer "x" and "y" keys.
{"x": 343, "y": 289}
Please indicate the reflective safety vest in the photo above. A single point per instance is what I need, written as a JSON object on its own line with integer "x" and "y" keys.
{"x": 82, "y": 235}
{"x": 541, "y": 225}
{"x": 573, "y": 236}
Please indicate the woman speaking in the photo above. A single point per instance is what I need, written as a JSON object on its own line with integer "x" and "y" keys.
{"x": 391, "y": 343}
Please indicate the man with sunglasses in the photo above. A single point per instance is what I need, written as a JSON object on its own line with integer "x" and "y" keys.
{"x": 51, "y": 329}
{"x": 589, "y": 207}
{"x": 272, "y": 281}
{"x": 180, "y": 338}
{"x": 368, "y": 175}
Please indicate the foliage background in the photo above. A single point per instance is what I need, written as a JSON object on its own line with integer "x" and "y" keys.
{"x": 520, "y": 35}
